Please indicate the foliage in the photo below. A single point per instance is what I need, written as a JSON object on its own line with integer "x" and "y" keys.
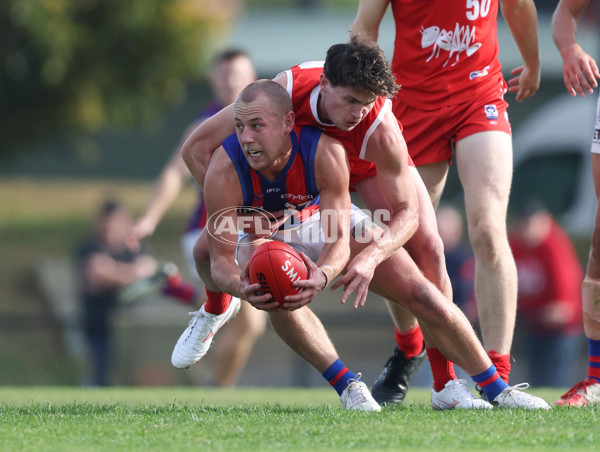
{"x": 84, "y": 65}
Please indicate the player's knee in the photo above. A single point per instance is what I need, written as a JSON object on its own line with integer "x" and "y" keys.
{"x": 425, "y": 302}
{"x": 489, "y": 240}
{"x": 200, "y": 251}
{"x": 428, "y": 254}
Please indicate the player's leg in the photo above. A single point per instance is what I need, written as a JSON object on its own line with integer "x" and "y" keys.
{"x": 484, "y": 163}
{"x": 219, "y": 308}
{"x": 399, "y": 280}
{"x": 392, "y": 384}
{"x": 304, "y": 333}
{"x": 434, "y": 177}
{"x": 232, "y": 350}
{"x": 235, "y": 344}
{"x": 587, "y": 391}
{"x": 426, "y": 249}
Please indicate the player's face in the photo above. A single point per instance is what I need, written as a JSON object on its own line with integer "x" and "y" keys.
{"x": 229, "y": 78}
{"x": 264, "y": 134}
{"x": 342, "y": 106}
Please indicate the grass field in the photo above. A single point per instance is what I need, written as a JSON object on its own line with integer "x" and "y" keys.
{"x": 64, "y": 419}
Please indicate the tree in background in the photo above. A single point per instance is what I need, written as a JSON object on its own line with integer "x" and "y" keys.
{"x": 79, "y": 66}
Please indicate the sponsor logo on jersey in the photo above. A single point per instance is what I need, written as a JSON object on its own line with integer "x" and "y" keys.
{"x": 491, "y": 112}
{"x": 453, "y": 43}
{"x": 297, "y": 198}
{"x": 480, "y": 73}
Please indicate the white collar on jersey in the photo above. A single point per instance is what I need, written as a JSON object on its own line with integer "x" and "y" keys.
{"x": 314, "y": 100}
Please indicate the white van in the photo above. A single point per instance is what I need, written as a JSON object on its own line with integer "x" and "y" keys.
{"x": 552, "y": 161}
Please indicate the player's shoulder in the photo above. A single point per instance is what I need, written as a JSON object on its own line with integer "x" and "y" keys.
{"x": 329, "y": 147}
{"x": 220, "y": 163}
{"x": 309, "y": 132}
{"x": 302, "y": 70}
{"x": 383, "y": 121}
{"x": 317, "y": 64}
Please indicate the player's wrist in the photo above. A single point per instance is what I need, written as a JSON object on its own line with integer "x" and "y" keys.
{"x": 329, "y": 274}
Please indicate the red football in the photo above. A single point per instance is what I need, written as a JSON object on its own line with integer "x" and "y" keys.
{"x": 275, "y": 266}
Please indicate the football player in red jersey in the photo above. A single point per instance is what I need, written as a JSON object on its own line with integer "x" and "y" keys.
{"x": 452, "y": 107}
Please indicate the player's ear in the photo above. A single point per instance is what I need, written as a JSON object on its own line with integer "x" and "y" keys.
{"x": 288, "y": 120}
{"x": 324, "y": 83}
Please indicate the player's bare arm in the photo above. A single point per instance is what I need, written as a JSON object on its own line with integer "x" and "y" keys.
{"x": 368, "y": 17}
{"x": 332, "y": 175}
{"x": 387, "y": 149}
{"x": 521, "y": 17}
{"x": 199, "y": 147}
{"x": 224, "y": 191}
{"x": 580, "y": 71}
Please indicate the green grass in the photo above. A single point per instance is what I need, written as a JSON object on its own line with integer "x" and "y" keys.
{"x": 272, "y": 419}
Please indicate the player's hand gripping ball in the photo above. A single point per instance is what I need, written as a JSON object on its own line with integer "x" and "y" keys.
{"x": 275, "y": 266}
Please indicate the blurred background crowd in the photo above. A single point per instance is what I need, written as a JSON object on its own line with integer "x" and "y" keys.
{"x": 96, "y": 95}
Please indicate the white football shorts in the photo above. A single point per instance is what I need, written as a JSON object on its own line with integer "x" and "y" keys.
{"x": 308, "y": 236}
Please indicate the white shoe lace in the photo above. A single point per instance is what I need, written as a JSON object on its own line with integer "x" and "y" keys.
{"x": 510, "y": 392}
{"x": 459, "y": 384}
{"x": 195, "y": 314}
{"x": 523, "y": 399}
{"x": 356, "y": 389}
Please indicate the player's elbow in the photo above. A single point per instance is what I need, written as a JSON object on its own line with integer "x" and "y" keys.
{"x": 187, "y": 154}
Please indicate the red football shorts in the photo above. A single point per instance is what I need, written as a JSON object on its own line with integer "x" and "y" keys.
{"x": 431, "y": 134}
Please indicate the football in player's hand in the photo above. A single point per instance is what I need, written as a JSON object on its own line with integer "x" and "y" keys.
{"x": 275, "y": 266}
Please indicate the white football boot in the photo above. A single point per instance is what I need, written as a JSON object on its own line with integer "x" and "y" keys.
{"x": 456, "y": 396}
{"x": 513, "y": 397}
{"x": 197, "y": 337}
{"x": 357, "y": 397}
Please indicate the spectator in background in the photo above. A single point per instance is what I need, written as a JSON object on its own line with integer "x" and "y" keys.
{"x": 231, "y": 71}
{"x": 459, "y": 257}
{"x": 580, "y": 73}
{"x": 107, "y": 264}
{"x": 549, "y": 307}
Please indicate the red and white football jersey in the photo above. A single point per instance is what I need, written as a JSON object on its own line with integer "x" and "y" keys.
{"x": 303, "y": 87}
{"x": 445, "y": 52}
